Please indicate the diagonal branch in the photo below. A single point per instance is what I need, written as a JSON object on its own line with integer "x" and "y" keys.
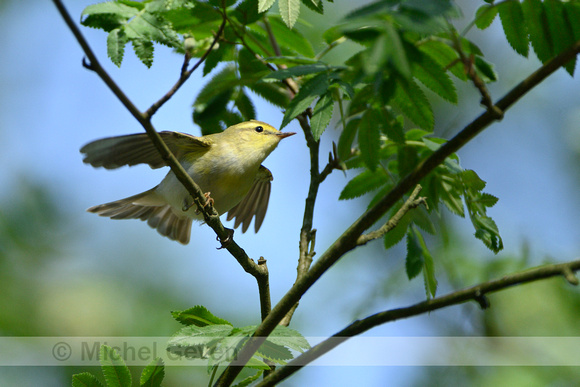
{"x": 347, "y": 241}
{"x": 211, "y": 216}
{"x": 475, "y": 293}
{"x": 410, "y": 203}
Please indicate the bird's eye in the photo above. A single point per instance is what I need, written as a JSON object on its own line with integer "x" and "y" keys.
{"x": 259, "y": 129}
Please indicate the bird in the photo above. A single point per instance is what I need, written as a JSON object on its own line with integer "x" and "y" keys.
{"x": 227, "y": 166}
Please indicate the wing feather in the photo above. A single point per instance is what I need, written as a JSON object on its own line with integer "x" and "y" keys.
{"x": 132, "y": 149}
{"x": 255, "y": 203}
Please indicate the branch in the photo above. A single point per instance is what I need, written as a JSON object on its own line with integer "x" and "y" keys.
{"x": 410, "y": 203}
{"x": 347, "y": 241}
{"x": 185, "y": 74}
{"x": 475, "y": 293}
{"x": 211, "y": 216}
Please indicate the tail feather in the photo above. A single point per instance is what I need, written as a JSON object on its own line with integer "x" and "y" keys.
{"x": 148, "y": 207}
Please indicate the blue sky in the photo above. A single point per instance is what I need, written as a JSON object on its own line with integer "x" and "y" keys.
{"x": 50, "y": 106}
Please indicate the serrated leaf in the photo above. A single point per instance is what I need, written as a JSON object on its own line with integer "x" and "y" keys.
{"x": 321, "y": 115}
{"x": 412, "y": 101}
{"x": 198, "y": 316}
{"x": 275, "y": 94}
{"x": 514, "y": 27}
{"x": 297, "y": 71}
{"x": 472, "y": 180}
{"x": 487, "y": 200}
{"x": 487, "y": 232}
{"x": 153, "y": 374}
{"x": 363, "y": 183}
{"x": 560, "y": 31}
{"x": 249, "y": 380}
{"x": 289, "y": 337}
{"x": 274, "y": 352}
{"x": 449, "y": 195}
{"x": 398, "y": 233}
{"x": 245, "y": 106}
{"x": 414, "y": 261}
{"x": 114, "y": 369}
{"x": 369, "y": 138}
{"x": 429, "y": 73}
{"x": 116, "y": 42}
{"x": 445, "y": 56}
{"x": 144, "y": 51}
{"x": 538, "y": 29}
{"x": 312, "y": 89}
{"x": 264, "y": 5}
{"x": 485, "y": 70}
{"x": 85, "y": 379}
{"x": 289, "y": 10}
{"x": 315, "y": 5}
{"x": 421, "y": 218}
{"x": 428, "y": 268}
{"x": 485, "y": 15}
{"x": 290, "y": 40}
{"x": 347, "y": 138}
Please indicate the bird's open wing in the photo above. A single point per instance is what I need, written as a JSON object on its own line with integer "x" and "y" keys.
{"x": 132, "y": 149}
{"x": 255, "y": 203}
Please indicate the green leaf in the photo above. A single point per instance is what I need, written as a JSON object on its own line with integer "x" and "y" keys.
{"x": 289, "y": 10}
{"x": 398, "y": 233}
{"x": 153, "y": 374}
{"x": 412, "y": 101}
{"x": 116, "y": 42}
{"x": 428, "y": 268}
{"x": 312, "y": 89}
{"x": 432, "y": 75}
{"x": 197, "y": 342}
{"x": 116, "y": 372}
{"x": 560, "y": 31}
{"x": 514, "y": 27}
{"x": 364, "y": 183}
{"x": 297, "y": 71}
{"x": 485, "y": 16}
{"x": 421, "y": 218}
{"x": 264, "y": 5}
{"x": 347, "y": 138}
{"x": 392, "y": 125}
{"x": 369, "y": 138}
{"x": 414, "y": 261}
{"x": 274, "y": 352}
{"x": 472, "y": 180}
{"x": 107, "y": 15}
{"x": 445, "y": 56}
{"x": 289, "y": 338}
{"x": 273, "y": 93}
{"x": 315, "y": 5}
{"x": 198, "y": 316}
{"x": 450, "y": 196}
{"x": 245, "y": 106}
{"x": 250, "y": 379}
{"x": 144, "y": 51}
{"x": 538, "y": 29}
{"x": 290, "y": 40}
{"x": 85, "y": 379}
{"x": 321, "y": 115}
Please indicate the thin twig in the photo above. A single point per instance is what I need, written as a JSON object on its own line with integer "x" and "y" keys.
{"x": 184, "y": 76}
{"x": 410, "y": 203}
{"x": 347, "y": 241}
{"x": 475, "y": 293}
{"x": 211, "y": 216}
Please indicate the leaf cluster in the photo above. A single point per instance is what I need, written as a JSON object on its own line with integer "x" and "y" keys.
{"x": 117, "y": 373}
{"x": 550, "y": 26}
{"x": 206, "y": 336}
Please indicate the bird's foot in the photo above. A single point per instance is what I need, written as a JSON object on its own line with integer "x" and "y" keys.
{"x": 225, "y": 242}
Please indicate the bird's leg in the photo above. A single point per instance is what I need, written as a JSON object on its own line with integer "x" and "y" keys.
{"x": 188, "y": 204}
{"x": 228, "y": 240}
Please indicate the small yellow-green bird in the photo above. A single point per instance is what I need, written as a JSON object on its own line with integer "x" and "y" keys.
{"x": 227, "y": 166}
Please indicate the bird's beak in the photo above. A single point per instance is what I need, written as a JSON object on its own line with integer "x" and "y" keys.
{"x": 284, "y": 135}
